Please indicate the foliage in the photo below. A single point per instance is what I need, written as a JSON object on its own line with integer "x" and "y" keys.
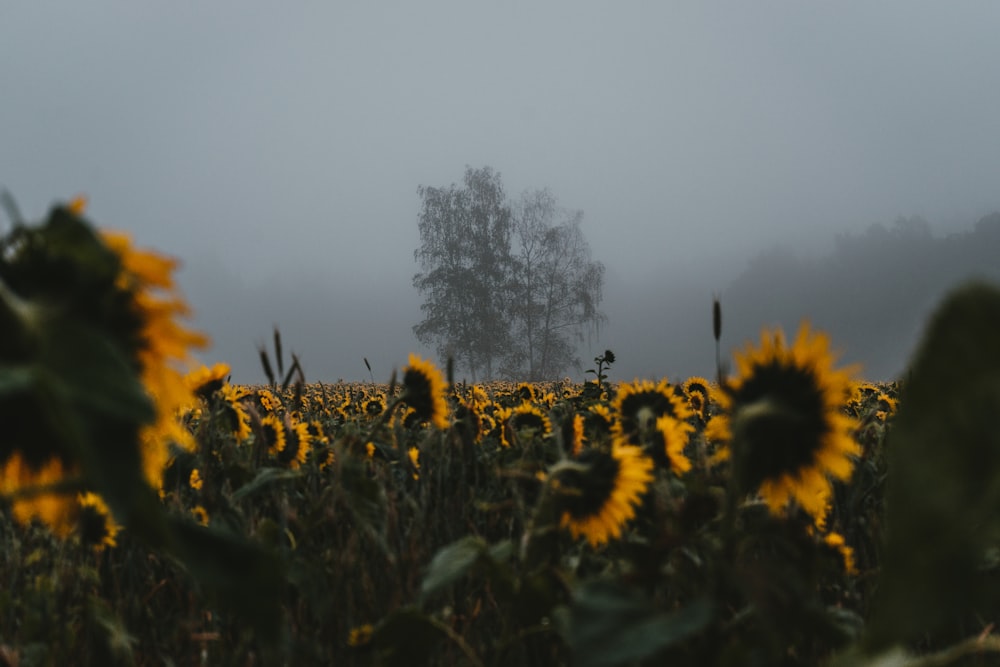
{"x": 372, "y": 532}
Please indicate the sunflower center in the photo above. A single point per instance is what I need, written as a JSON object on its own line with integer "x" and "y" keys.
{"x": 782, "y": 422}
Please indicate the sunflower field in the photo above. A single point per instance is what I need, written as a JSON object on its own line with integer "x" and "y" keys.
{"x": 788, "y": 512}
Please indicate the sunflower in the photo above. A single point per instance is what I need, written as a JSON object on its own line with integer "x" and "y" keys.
{"x": 425, "y": 391}
{"x": 96, "y": 525}
{"x": 699, "y": 393}
{"x": 599, "y": 491}
{"x": 57, "y": 510}
{"x": 414, "y": 455}
{"x": 200, "y": 514}
{"x": 235, "y": 414}
{"x": 671, "y": 437}
{"x": 640, "y": 403}
{"x": 205, "y": 381}
{"x": 784, "y": 422}
{"x": 164, "y": 345}
{"x": 523, "y": 423}
{"x": 298, "y": 441}
{"x": 273, "y": 430}
{"x": 572, "y": 434}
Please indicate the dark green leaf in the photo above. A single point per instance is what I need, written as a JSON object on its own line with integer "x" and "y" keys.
{"x": 606, "y": 624}
{"x": 452, "y": 562}
{"x": 241, "y": 575}
{"x": 264, "y": 479}
{"x": 943, "y": 500}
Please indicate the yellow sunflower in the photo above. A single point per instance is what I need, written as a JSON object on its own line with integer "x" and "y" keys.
{"x": 164, "y": 348}
{"x": 425, "y": 391}
{"x": 639, "y": 404}
{"x": 599, "y": 491}
{"x": 57, "y": 510}
{"x": 523, "y": 423}
{"x": 96, "y": 524}
{"x": 670, "y": 438}
{"x": 783, "y": 420}
{"x": 273, "y": 430}
{"x": 205, "y": 381}
{"x": 298, "y": 442}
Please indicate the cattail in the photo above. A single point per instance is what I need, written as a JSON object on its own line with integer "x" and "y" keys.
{"x": 277, "y": 352}
{"x": 716, "y": 319}
{"x": 266, "y": 363}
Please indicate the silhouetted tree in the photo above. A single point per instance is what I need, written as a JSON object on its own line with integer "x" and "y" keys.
{"x": 466, "y": 267}
{"x": 557, "y": 288}
{"x": 504, "y": 292}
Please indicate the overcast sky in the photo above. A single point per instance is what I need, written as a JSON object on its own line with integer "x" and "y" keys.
{"x": 277, "y": 147}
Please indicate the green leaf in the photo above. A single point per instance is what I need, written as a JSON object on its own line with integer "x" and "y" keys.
{"x": 264, "y": 479}
{"x": 461, "y": 557}
{"x": 943, "y": 500}
{"x": 606, "y": 624}
{"x": 240, "y": 574}
{"x": 366, "y": 497}
{"x": 406, "y": 637}
{"x": 452, "y": 562}
{"x": 94, "y": 371}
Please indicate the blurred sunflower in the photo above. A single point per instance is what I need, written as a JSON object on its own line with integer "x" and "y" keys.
{"x": 57, "y": 510}
{"x": 205, "y": 381}
{"x": 273, "y": 431}
{"x": 598, "y": 421}
{"x": 414, "y": 455}
{"x": 425, "y": 391}
{"x": 235, "y": 413}
{"x": 639, "y": 404}
{"x": 698, "y": 392}
{"x": 670, "y": 437}
{"x": 572, "y": 434}
{"x": 297, "y": 444}
{"x": 96, "y": 526}
{"x": 525, "y": 422}
{"x": 164, "y": 347}
{"x": 783, "y": 420}
{"x": 597, "y": 493}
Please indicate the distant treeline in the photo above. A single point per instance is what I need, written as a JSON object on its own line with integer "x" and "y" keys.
{"x": 872, "y": 293}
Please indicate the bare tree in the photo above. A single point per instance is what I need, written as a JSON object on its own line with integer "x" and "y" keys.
{"x": 557, "y": 288}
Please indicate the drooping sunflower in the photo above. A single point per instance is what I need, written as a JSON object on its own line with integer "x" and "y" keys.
{"x": 783, "y": 419}
{"x": 425, "y": 391}
{"x": 599, "y": 491}
{"x": 639, "y": 404}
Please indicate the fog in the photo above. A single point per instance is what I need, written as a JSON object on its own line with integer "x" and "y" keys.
{"x": 277, "y": 150}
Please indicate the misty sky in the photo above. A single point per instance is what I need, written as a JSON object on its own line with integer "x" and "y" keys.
{"x": 277, "y": 147}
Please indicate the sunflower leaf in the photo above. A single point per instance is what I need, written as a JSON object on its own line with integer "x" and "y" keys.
{"x": 452, "y": 562}
{"x": 239, "y": 573}
{"x": 943, "y": 501}
{"x": 406, "y": 637}
{"x": 606, "y": 624}
{"x": 264, "y": 479}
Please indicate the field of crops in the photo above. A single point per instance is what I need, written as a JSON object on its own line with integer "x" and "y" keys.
{"x": 157, "y": 516}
